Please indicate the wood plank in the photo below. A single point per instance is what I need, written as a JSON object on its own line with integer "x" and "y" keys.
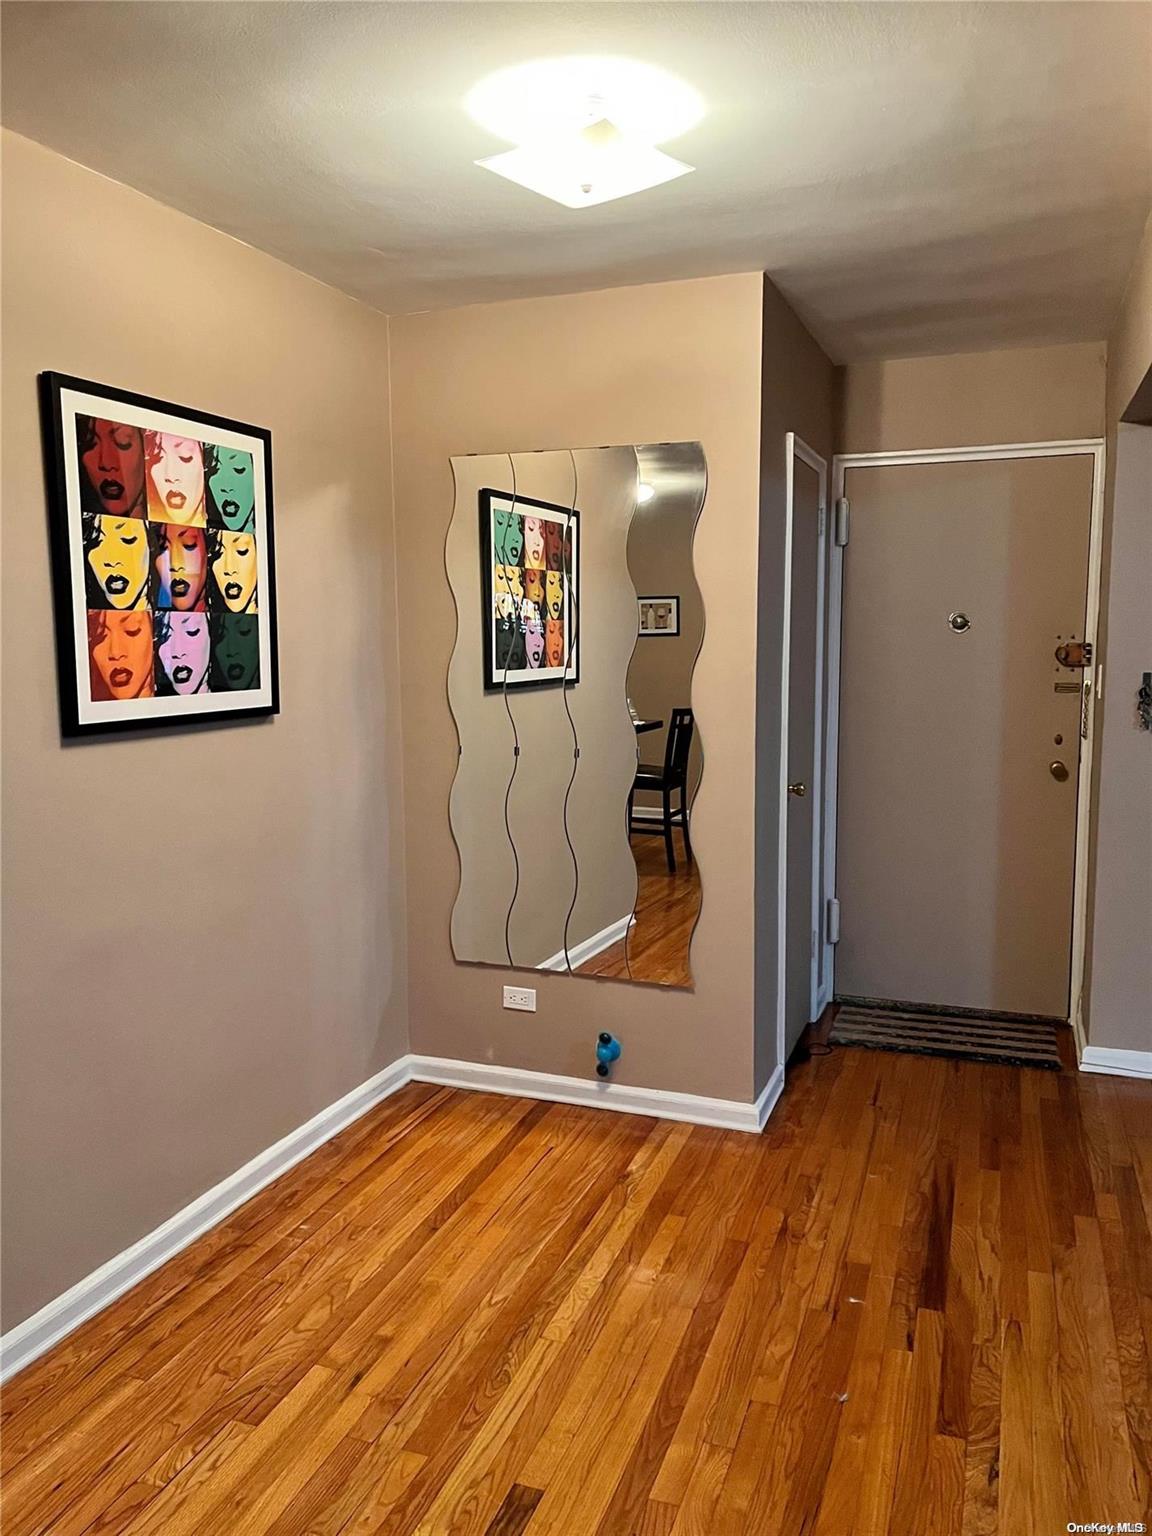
{"x": 516, "y": 1511}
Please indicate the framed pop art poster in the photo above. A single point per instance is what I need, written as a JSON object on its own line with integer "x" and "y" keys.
{"x": 160, "y": 521}
{"x": 530, "y": 576}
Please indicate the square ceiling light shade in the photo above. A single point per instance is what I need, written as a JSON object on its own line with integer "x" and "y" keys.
{"x": 592, "y": 166}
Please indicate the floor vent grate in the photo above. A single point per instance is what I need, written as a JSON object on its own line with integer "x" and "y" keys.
{"x": 968, "y": 1036}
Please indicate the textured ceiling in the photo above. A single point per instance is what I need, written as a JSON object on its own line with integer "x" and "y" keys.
{"x": 915, "y": 177}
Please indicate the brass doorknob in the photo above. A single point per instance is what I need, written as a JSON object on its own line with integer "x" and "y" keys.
{"x": 1058, "y": 770}
{"x": 799, "y": 789}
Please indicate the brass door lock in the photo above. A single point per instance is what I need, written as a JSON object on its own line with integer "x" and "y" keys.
{"x": 1074, "y": 653}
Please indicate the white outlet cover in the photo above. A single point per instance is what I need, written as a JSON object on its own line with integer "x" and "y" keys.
{"x": 521, "y": 998}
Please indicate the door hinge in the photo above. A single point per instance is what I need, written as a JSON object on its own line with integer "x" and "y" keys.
{"x": 833, "y": 920}
{"x": 843, "y": 509}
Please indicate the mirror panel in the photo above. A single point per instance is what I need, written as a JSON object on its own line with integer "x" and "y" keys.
{"x": 547, "y": 554}
{"x": 485, "y": 736}
{"x": 543, "y": 769}
{"x": 673, "y": 481}
{"x": 598, "y": 707}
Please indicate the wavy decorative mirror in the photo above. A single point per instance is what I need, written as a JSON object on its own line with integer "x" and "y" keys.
{"x": 578, "y": 625}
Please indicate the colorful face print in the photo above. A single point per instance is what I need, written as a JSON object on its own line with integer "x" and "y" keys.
{"x": 513, "y": 582}
{"x": 554, "y": 546}
{"x": 534, "y": 587}
{"x": 118, "y": 555}
{"x": 234, "y": 571}
{"x": 534, "y": 643}
{"x": 510, "y": 656}
{"x": 181, "y": 567}
{"x": 555, "y": 590}
{"x": 175, "y": 479}
{"x": 182, "y": 652}
{"x": 235, "y": 651}
{"x": 120, "y": 655}
{"x": 533, "y": 544}
{"x": 505, "y": 607}
{"x": 513, "y": 546}
{"x": 112, "y": 466}
{"x": 500, "y": 516}
{"x": 231, "y": 488}
{"x": 554, "y": 642}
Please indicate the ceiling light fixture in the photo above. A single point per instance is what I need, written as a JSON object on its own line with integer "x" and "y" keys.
{"x": 585, "y": 129}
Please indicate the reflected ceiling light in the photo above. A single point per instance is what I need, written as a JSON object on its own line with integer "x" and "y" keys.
{"x": 645, "y": 492}
{"x": 585, "y": 129}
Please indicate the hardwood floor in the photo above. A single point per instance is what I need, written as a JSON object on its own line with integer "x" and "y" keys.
{"x": 667, "y": 906}
{"x": 921, "y": 1302}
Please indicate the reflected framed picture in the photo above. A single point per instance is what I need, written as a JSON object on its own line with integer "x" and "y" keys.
{"x": 161, "y": 541}
{"x": 659, "y": 615}
{"x": 530, "y": 585}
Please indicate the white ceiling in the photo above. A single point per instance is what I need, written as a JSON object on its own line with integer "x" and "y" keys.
{"x": 915, "y": 177}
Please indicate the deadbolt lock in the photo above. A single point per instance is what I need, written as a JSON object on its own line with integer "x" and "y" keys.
{"x": 1058, "y": 770}
{"x": 1074, "y": 653}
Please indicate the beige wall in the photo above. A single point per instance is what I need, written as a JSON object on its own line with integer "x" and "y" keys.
{"x": 668, "y": 362}
{"x": 798, "y": 395}
{"x": 1130, "y": 344}
{"x": 1119, "y": 1011}
{"x": 1033, "y": 394}
{"x": 204, "y": 939}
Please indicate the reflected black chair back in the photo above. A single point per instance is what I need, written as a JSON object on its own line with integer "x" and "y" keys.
{"x": 678, "y": 746}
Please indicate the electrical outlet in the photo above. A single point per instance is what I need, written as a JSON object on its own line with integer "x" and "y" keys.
{"x": 523, "y": 998}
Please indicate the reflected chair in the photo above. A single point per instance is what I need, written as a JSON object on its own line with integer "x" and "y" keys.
{"x": 671, "y": 778}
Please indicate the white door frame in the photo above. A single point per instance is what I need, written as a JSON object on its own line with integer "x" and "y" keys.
{"x": 796, "y": 448}
{"x": 1093, "y": 674}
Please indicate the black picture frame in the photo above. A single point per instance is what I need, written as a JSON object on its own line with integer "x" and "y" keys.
{"x": 497, "y": 679}
{"x": 65, "y": 506}
{"x": 658, "y": 634}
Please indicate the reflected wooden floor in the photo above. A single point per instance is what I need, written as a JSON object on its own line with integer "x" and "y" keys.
{"x": 666, "y": 910}
{"x": 920, "y": 1304}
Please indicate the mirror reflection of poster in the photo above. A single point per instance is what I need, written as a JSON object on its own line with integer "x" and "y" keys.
{"x": 530, "y": 570}
{"x": 659, "y": 615}
{"x": 161, "y": 543}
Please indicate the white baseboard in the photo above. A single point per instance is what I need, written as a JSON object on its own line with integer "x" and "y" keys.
{"x": 586, "y": 948}
{"x": 29, "y": 1339}
{"x": 1102, "y": 1058}
{"x": 38, "y": 1333}
{"x": 728, "y": 1114}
